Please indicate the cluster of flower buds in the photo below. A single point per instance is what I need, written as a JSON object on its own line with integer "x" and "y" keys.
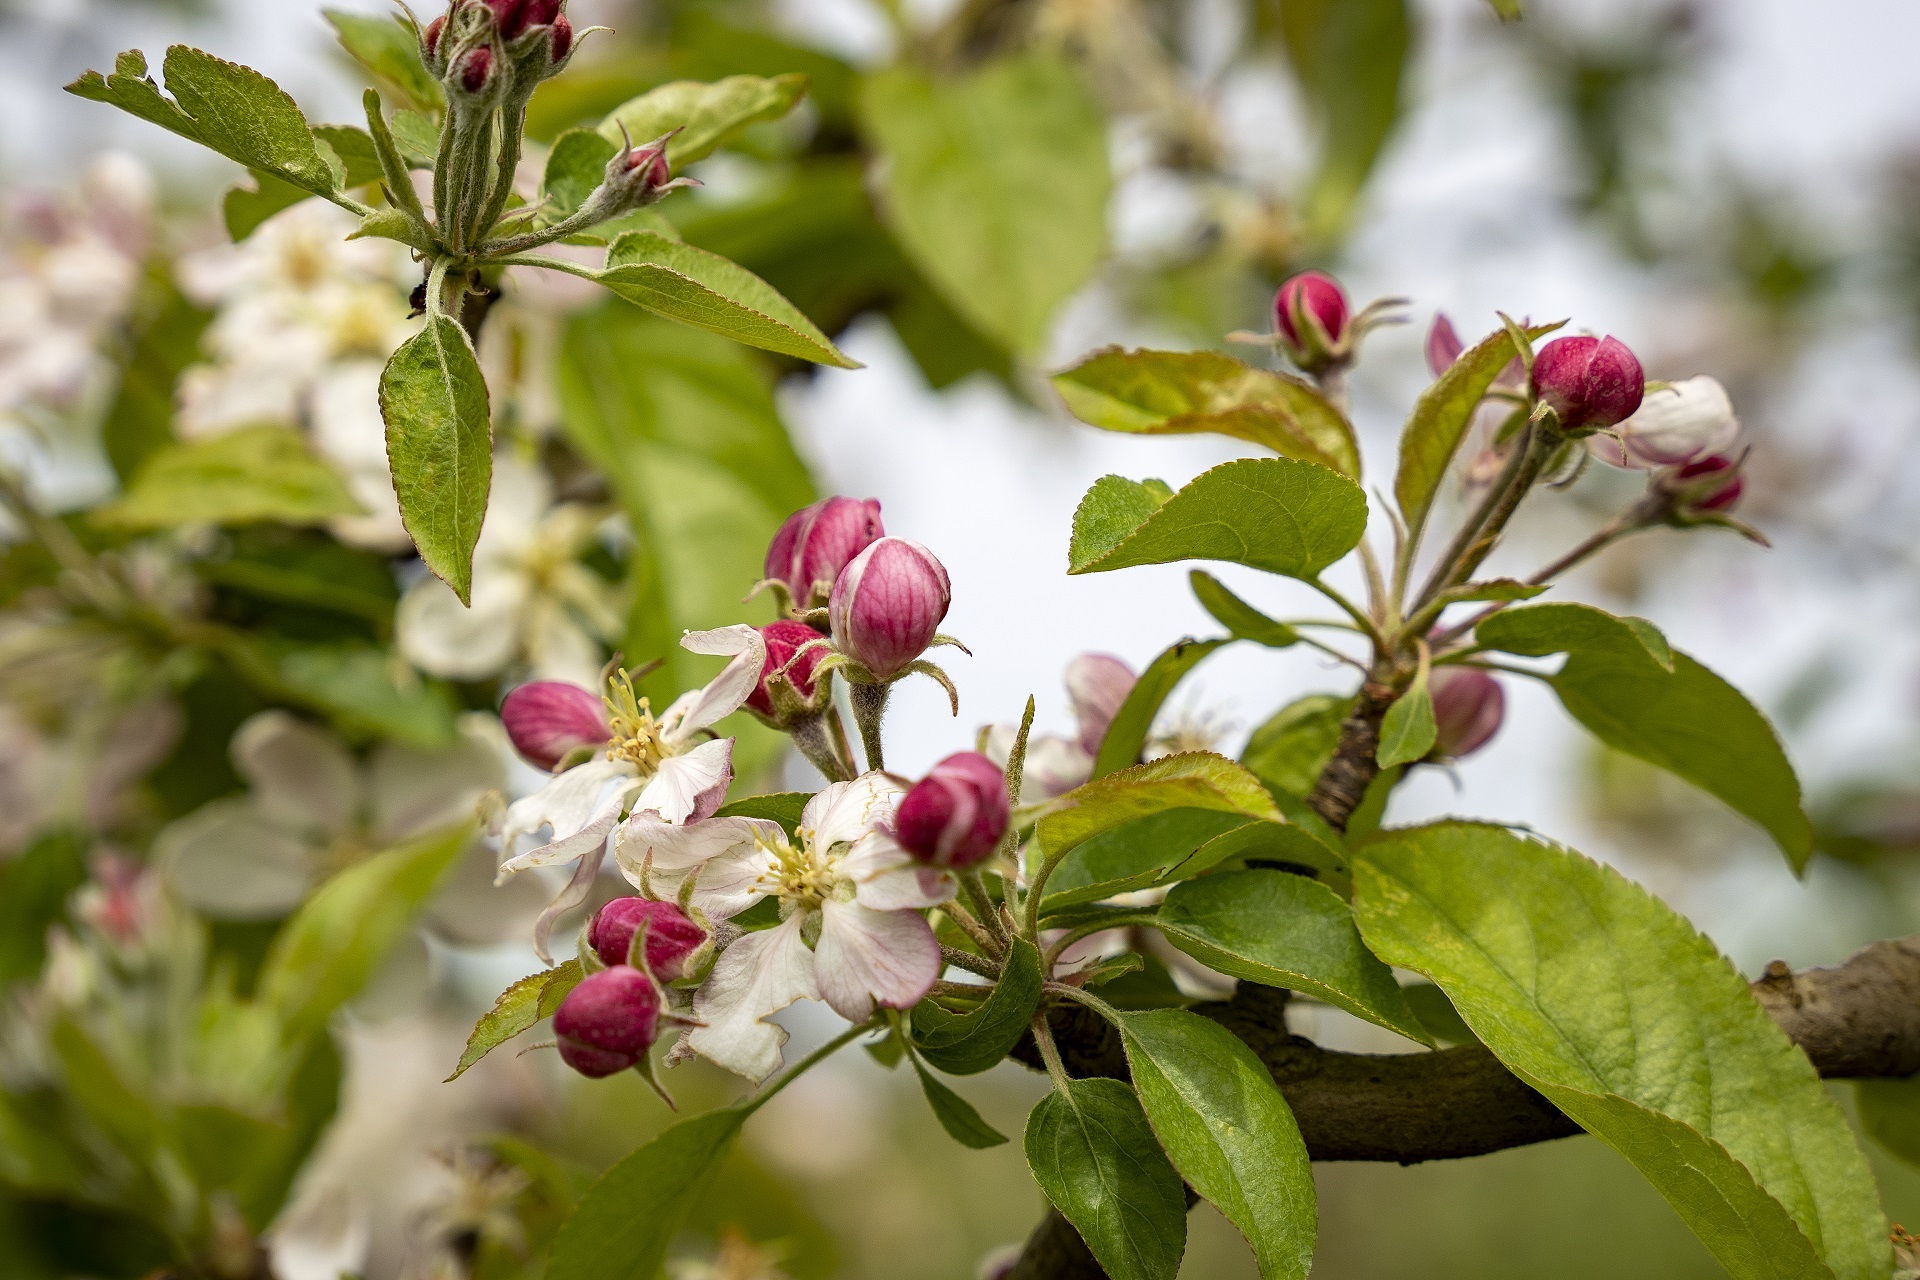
{"x": 483, "y": 50}
{"x": 955, "y": 816}
{"x": 634, "y": 946}
{"x": 1589, "y": 383}
{"x": 1315, "y": 328}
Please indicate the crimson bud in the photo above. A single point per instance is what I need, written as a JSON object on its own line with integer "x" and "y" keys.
{"x": 887, "y": 605}
{"x": 1468, "y": 705}
{"x": 1310, "y": 318}
{"x": 817, "y": 542}
{"x": 562, "y": 38}
{"x": 673, "y": 940}
{"x": 547, "y": 719}
{"x": 1694, "y": 476}
{"x": 786, "y": 639}
{"x": 432, "y": 36}
{"x": 955, "y": 816}
{"x": 608, "y": 1022}
{"x": 476, "y": 70}
{"x": 1443, "y": 344}
{"x": 1589, "y": 382}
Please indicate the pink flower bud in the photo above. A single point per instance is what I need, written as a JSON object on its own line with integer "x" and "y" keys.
{"x": 817, "y": 542}
{"x": 476, "y": 70}
{"x": 608, "y": 1022}
{"x": 1315, "y": 296}
{"x": 1443, "y": 344}
{"x": 955, "y": 816}
{"x": 650, "y": 162}
{"x": 1589, "y": 382}
{"x": 1720, "y": 499}
{"x": 672, "y": 939}
{"x": 540, "y": 13}
{"x": 508, "y": 16}
{"x": 1097, "y": 685}
{"x": 546, "y": 719}
{"x": 432, "y": 36}
{"x": 887, "y": 605}
{"x": 784, "y": 640}
{"x": 1468, "y": 705}
{"x": 1672, "y": 426}
{"x": 562, "y": 38}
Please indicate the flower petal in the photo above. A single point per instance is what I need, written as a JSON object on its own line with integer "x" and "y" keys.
{"x": 567, "y": 804}
{"x": 301, "y": 775}
{"x": 758, "y": 975}
{"x": 1097, "y": 685}
{"x": 689, "y": 787}
{"x": 886, "y": 877}
{"x": 865, "y": 956}
{"x": 229, "y": 860}
{"x": 724, "y": 694}
{"x": 846, "y": 811}
{"x": 443, "y": 637}
{"x": 571, "y": 895}
{"x": 728, "y": 854}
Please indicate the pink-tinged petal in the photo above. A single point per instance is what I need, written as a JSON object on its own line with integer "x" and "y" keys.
{"x": 757, "y": 976}
{"x": 843, "y": 812}
{"x": 1054, "y": 767}
{"x": 1097, "y": 685}
{"x": 570, "y": 804}
{"x": 728, "y": 855}
{"x": 689, "y": 787}
{"x": 574, "y": 894}
{"x": 866, "y": 956}
{"x": 546, "y": 719}
{"x": 726, "y": 692}
{"x": 1443, "y": 344}
{"x": 906, "y": 889}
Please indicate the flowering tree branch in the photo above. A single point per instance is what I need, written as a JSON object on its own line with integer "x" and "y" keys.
{"x": 1858, "y": 1020}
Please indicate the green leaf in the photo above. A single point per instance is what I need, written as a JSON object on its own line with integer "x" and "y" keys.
{"x": 1112, "y": 509}
{"x": 358, "y": 686}
{"x": 164, "y": 330}
{"x": 1283, "y": 930}
{"x": 1506, "y": 10}
{"x": 1188, "y": 392}
{"x": 243, "y": 209}
{"x": 783, "y": 807}
{"x": 1222, "y": 1121}
{"x": 440, "y": 446}
{"x": 707, "y": 115}
{"x": 228, "y": 108}
{"x": 996, "y": 184}
{"x": 1350, "y": 56}
{"x": 1540, "y": 629}
{"x": 126, "y": 1116}
{"x": 353, "y": 147}
{"x": 1191, "y": 780}
{"x": 34, "y": 886}
{"x": 1291, "y": 749}
{"x": 1676, "y": 715}
{"x": 1094, "y": 1155}
{"x": 1145, "y": 852}
{"x": 713, "y": 293}
{"x": 1127, "y": 735}
{"x": 626, "y": 1220}
{"x": 307, "y": 570}
{"x": 956, "y": 1115}
{"x": 242, "y": 477}
{"x": 1286, "y": 517}
{"x": 534, "y": 997}
{"x": 1408, "y": 731}
{"x": 1500, "y": 589}
{"x": 323, "y": 956}
{"x": 1237, "y": 616}
{"x": 1890, "y": 1114}
{"x": 1440, "y": 418}
{"x": 575, "y": 166}
{"x": 1594, "y": 993}
{"x": 684, "y": 427}
{"x": 967, "y": 1044}
{"x": 387, "y": 49}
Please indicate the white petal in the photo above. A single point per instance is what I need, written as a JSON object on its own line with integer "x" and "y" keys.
{"x": 443, "y": 637}
{"x": 865, "y": 956}
{"x": 571, "y": 895}
{"x": 845, "y": 811}
{"x": 728, "y": 854}
{"x": 691, "y": 786}
{"x": 1054, "y": 767}
{"x": 469, "y": 909}
{"x": 760, "y": 974}
{"x": 411, "y": 790}
{"x": 229, "y": 860}
{"x": 886, "y": 877}
{"x": 301, "y": 775}
{"x": 569, "y": 801}
{"x": 723, "y": 694}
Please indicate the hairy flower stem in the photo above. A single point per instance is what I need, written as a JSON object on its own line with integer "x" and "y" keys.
{"x": 869, "y": 703}
{"x": 1476, "y": 537}
{"x": 1050, "y": 1053}
{"x": 812, "y": 740}
{"x": 974, "y": 890}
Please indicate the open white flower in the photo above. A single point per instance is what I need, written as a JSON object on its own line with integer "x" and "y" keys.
{"x": 533, "y": 600}
{"x": 659, "y": 767}
{"x": 850, "y": 897}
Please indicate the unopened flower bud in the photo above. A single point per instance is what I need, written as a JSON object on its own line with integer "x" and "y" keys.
{"x": 1590, "y": 383}
{"x": 1468, "y": 705}
{"x": 817, "y": 542}
{"x": 431, "y": 39}
{"x": 1713, "y": 484}
{"x": 1672, "y": 426}
{"x": 1443, "y": 344}
{"x": 787, "y": 692}
{"x": 548, "y": 719}
{"x": 1097, "y": 685}
{"x": 476, "y": 69}
{"x": 1310, "y": 316}
{"x": 673, "y": 941}
{"x": 887, "y": 605}
{"x": 562, "y": 39}
{"x": 608, "y": 1022}
{"x": 955, "y": 816}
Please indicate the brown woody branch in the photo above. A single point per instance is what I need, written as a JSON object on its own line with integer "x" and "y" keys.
{"x": 1860, "y": 1019}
